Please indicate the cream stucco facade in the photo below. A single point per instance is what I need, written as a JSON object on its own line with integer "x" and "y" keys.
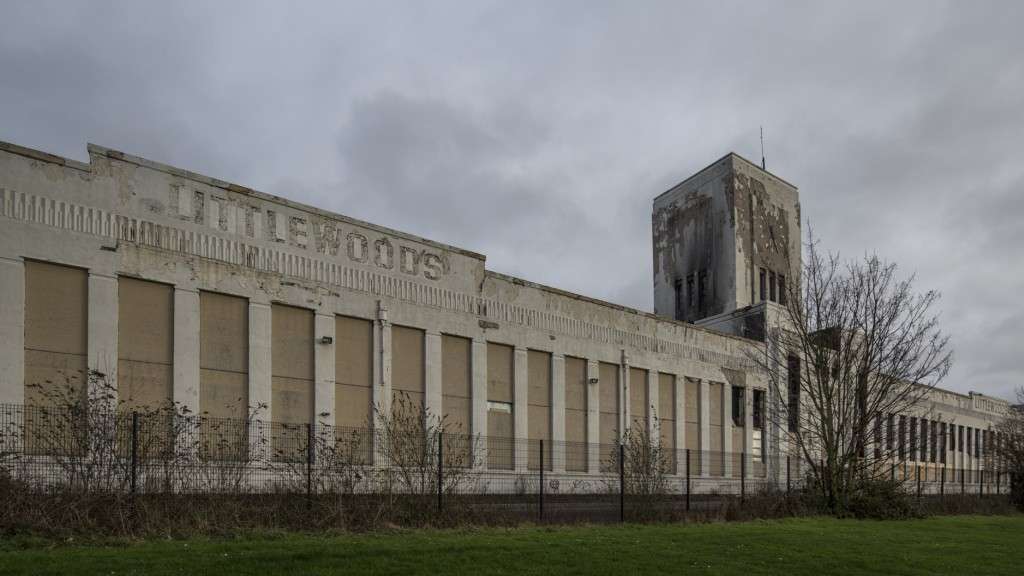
{"x": 182, "y": 287}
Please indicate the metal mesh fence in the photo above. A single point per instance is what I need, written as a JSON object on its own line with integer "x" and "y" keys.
{"x": 428, "y": 471}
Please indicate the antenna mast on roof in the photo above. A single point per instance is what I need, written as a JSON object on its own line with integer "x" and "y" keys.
{"x": 762, "y": 149}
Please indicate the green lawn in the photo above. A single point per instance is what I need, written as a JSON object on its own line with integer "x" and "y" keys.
{"x": 949, "y": 545}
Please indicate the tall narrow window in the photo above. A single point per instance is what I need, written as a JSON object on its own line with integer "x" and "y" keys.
{"x": 903, "y": 437}
{"x": 758, "y": 407}
{"x": 679, "y": 298}
{"x": 691, "y": 294}
{"x": 702, "y": 292}
{"x": 890, "y": 432}
{"x": 738, "y": 416}
{"x": 771, "y": 286}
{"x": 763, "y": 283}
{"x": 913, "y": 438}
{"x": 793, "y": 402}
{"x": 782, "y": 289}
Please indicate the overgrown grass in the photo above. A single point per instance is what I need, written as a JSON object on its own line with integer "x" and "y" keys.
{"x": 942, "y": 545}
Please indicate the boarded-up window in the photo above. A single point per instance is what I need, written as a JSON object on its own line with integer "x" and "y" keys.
{"x": 608, "y": 383}
{"x": 407, "y": 372}
{"x": 145, "y": 360}
{"x": 666, "y": 418}
{"x": 145, "y": 344}
{"x": 575, "y": 414}
{"x": 456, "y": 384}
{"x": 539, "y": 402}
{"x": 56, "y": 327}
{"x": 638, "y": 402}
{"x": 292, "y": 379}
{"x": 223, "y": 374}
{"x": 353, "y": 372}
{"x": 353, "y": 387}
{"x": 500, "y": 442}
{"x": 717, "y": 458}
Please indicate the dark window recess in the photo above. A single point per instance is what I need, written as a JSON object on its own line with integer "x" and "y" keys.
{"x": 945, "y": 436}
{"x": 977, "y": 443}
{"x": 952, "y": 437}
{"x": 679, "y": 299}
{"x": 934, "y": 444}
{"x": 763, "y": 283}
{"x": 903, "y": 438}
{"x": 702, "y": 292}
{"x": 758, "y": 407}
{"x": 968, "y": 440}
{"x": 771, "y": 286}
{"x": 960, "y": 438}
{"x": 890, "y": 433}
{"x": 737, "y": 406}
{"x": 793, "y": 400}
{"x": 691, "y": 296}
{"x": 913, "y": 438}
{"x": 782, "y": 289}
{"x": 878, "y": 437}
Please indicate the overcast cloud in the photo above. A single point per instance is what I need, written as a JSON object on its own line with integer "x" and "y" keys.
{"x": 538, "y": 133}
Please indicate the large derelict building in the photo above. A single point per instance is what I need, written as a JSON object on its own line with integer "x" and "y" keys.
{"x": 180, "y": 287}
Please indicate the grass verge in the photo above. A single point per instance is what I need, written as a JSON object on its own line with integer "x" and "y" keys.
{"x": 940, "y": 545}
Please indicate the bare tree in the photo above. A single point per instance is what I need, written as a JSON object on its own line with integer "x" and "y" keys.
{"x": 855, "y": 344}
{"x": 415, "y": 445}
{"x": 1010, "y": 449}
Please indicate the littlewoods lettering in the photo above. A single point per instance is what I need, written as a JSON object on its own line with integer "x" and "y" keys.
{"x": 323, "y": 235}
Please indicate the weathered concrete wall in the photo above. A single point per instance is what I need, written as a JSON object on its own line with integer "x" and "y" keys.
{"x": 727, "y": 222}
{"x": 381, "y": 312}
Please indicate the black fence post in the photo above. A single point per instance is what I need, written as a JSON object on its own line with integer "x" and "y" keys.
{"x": 963, "y": 482}
{"x": 999, "y": 475}
{"x": 309, "y": 465}
{"x": 743, "y": 477}
{"x": 135, "y": 452}
{"x": 622, "y": 483}
{"x": 440, "y": 471}
{"x": 917, "y": 469}
{"x": 942, "y": 483}
{"x": 788, "y": 475}
{"x": 541, "y": 486}
{"x": 687, "y": 479}
{"x": 981, "y": 482}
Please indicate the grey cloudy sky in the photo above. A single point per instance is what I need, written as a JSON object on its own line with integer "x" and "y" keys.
{"x": 538, "y": 132}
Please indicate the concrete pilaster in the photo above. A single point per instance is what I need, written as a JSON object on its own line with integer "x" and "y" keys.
{"x": 520, "y": 409}
{"x": 381, "y": 363}
{"x": 557, "y": 447}
{"x": 478, "y": 416}
{"x": 102, "y": 331}
{"x": 748, "y": 426}
{"x": 624, "y": 408}
{"x": 653, "y": 400}
{"x": 727, "y": 447}
{"x": 704, "y": 398}
{"x": 432, "y": 372}
{"x": 593, "y": 418}
{"x": 680, "y": 430}
{"x": 12, "y": 331}
{"x": 323, "y": 367}
{"x": 260, "y": 359}
{"x": 185, "y": 391}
